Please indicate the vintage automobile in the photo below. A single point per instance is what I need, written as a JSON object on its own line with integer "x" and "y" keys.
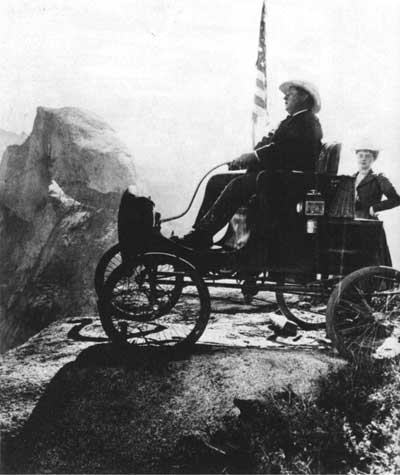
{"x": 304, "y": 241}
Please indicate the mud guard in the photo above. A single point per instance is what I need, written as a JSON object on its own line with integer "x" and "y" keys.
{"x": 135, "y": 224}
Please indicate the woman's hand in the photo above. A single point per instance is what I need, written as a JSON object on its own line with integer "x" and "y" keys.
{"x": 372, "y": 212}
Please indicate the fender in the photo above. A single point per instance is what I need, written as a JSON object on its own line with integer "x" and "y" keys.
{"x": 135, "y": 224}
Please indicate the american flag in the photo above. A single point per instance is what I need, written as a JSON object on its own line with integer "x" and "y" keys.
{"x": 260, "y": 112}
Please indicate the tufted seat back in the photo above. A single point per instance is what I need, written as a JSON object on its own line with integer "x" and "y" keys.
{"x": 329, "y": 157}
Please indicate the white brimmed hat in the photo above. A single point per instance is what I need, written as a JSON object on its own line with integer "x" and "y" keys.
{"x": 367, "y": 145}
{"x": 307, "y": 86}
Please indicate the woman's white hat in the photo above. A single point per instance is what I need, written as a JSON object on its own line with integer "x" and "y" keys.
{"x": 367, "y": 144}
{"x": 307, "y": 86}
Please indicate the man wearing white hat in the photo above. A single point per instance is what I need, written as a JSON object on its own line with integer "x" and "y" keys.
{"x": 295, "y": 145}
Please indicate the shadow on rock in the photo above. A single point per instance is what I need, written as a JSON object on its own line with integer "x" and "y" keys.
{"x": 127, "y": 409}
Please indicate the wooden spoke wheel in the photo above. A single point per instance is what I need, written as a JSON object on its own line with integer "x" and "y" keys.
{"x": 363, "y": 318}
{"x": 158, "y": 300}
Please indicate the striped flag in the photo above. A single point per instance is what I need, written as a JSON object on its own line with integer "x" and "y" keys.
{"x": 260, "y": 112}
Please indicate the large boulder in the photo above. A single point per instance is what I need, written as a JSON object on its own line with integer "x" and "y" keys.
{"x": 141, "y": 410}
{"x": 59, "y": 195}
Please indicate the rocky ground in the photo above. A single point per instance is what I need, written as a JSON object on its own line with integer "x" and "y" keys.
{"x": 105, "y": 409}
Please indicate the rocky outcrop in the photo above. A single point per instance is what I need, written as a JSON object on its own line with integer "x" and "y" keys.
{"x": 59, "y": 193}
{"x": 27, "y": 369}
{"x": 133, "y": 409}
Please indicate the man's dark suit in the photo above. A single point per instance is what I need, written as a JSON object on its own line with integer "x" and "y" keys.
{"x": 295, "y": 145}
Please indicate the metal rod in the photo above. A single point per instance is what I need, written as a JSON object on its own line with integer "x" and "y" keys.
{"x": 317, "y": 289}
{"x": 274, "y": 287}
{"x": 172, "y": 218}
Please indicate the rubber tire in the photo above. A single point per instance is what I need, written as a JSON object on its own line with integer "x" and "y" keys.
{"x": 205, "y": 307}
{"x": 338, "y": 292}
{"x": 99, "y": 275}
{"x": 281, "y": 301}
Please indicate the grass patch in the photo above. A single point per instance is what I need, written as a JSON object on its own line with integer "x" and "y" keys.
{"x": 351, "y": 425}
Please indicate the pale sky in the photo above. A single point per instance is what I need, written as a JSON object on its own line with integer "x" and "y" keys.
{"x": 175, "y": 78}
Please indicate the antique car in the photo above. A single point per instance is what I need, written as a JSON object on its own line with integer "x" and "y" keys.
{"x": 304, "y": 241}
